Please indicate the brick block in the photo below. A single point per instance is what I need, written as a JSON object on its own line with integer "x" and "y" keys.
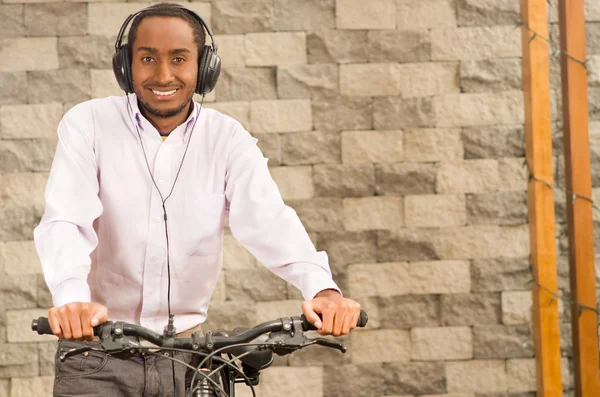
{"x": 440, "y": 277}
{"x": 47, "y": 352}
{"x": 86, "y": 52}
{"x": 238, "y": 110}
{"x": 475, "y": 43}
{"x": 104, "y": 83}
{"x": 19, "y": 54}
{"x": 313, "y": 147}
{"x": 513, "y": 176}
{"x": 491, "y": 75}
{"x": 414, "y": 378}
{"x": 484, "y": 242}
{"x": 18, "y": 291}
{"x": 231, "y": 50}
{"x": 320, "y": 214}
{"x": 471, "y": 309}
{"x": 439, "y": 144}
{"x": 389, "y": 79}
{"x": 488, "y": 13}
{"x": 304, "y": 81}
{"x": 372, "y": 146}
{"x": 408, "y": 245}
{"x": 393, "y": 112}
{"x": 19, "y": 326}
{"x": 13, "y": 21}
{"x": 441, "y": 343}
{"x": 521, "y": 372}
{"x": 56, "y": 19}
{"x": 469, "y": 176}
{"x": 235, "y": 256}
{"x": 463, "y": 110}
{"x": 380, "y": 346}
{"x": 516, "y": 307}
{"x": 427, "y": 14}
{"x": 253, "y": 285}
{"x": 105, "y": 19}
{"x": 379, "y": 279}
{"x": 354, "y": 379}
{"x": 344, "y": 180}
{"x": 435, "y": 210}
{"x": 19, "y": 257}
{"x": 314, "y": 14}
{"x": 349, "y": 247}
{"x": 24, "y": 387}
{"x": 356, "y": 14}
{"x": 494, "y": 141}
{"x": 288, "y": 115}
{"x": 274, "y": 49}
{"x": 399, "y": 46}
{"x": 405, "y": 312}
{"x": 499, "y": 208}
{"x": 295, "y": 183}
{"x": 480, "y": 376}
{"x": 230, "y": 314}
{"x": 63, "y": 86}
{"x": 270, "y": 146}
{"x": 336, "y": 46}
{"x": 495, "y": 341}
{"x": 25, "y": 189}
{"x": 405, "y": 178}
{"x": 373, "y": 213}
{"x": 31, "y": 155}
{"x": 292, "y": 381}
{"x": 342, "y": 113}
{"x": 29, "y": 121}
{"x": 18, "y": 222}
{"x": 242, "y": 16}
{"x": 499, "y": 274}
{"x": 19, "y": 359}
{"x": 12, "y": 84}
{"x": 266, "y": 311}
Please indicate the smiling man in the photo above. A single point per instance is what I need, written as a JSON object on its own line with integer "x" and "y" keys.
{"x": 136, "y": 204}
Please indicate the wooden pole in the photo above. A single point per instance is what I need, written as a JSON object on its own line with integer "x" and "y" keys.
{"x": 584, "y": 323}
{"x": 538, "y": 141}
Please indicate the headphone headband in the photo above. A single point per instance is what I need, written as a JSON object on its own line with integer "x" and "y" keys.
{"x": 192, "y": 12}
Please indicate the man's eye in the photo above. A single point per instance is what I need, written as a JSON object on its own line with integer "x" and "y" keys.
{"x": 147, "y": 59}
{"x": 178, "y": 60}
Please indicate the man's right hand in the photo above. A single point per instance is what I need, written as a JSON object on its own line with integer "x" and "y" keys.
{"x": 75, "y": 321}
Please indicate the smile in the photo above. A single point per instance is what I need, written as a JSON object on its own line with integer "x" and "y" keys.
{"x": 164, "y": 94}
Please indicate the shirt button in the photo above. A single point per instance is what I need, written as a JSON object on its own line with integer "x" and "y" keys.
{"x": 153, "y": 258}
{"x": 158, "y": 218}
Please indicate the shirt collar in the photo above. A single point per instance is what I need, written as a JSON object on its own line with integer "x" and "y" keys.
{"x": 140, "y": 120}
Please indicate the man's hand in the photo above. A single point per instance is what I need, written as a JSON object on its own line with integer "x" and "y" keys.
{"x": 75, "y": 321}
{"x": 340, "y": 314}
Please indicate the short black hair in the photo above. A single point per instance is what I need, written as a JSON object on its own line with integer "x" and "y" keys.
{"x": 168, "y": 10}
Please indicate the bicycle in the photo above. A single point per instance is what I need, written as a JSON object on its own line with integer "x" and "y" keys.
{"x": 224, "y": 358}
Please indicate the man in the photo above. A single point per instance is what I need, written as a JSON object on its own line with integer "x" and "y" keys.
{"x": 135, "y": 207}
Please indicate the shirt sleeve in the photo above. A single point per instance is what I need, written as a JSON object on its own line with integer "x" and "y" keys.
{"x": 268, "y": 228}
{"x": 65, "y": 237}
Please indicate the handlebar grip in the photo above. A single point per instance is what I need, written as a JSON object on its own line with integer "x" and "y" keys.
{"x": 42, "y": 326}
{"x": 362, "y": 321}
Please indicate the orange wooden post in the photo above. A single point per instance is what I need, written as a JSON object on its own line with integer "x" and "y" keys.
{"x": 579, "y": 208}
{"x": 538, "y": 140}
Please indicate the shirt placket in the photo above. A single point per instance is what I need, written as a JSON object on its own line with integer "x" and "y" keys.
{"x": 156, "y": 252}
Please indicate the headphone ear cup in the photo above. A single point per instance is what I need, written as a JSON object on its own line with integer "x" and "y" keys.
{"x": 122, "y": 68}
{"x": 209, "y": 69}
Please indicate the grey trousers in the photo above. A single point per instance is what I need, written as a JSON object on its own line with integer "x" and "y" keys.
{"x": 95, "y": 374}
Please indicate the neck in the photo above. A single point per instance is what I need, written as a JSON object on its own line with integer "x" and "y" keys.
{"x": 165, "y": 125}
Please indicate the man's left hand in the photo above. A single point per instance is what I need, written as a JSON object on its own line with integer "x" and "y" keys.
{"x": 340, "y": 314}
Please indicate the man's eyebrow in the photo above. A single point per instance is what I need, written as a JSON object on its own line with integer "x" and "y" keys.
{"x": 154, "y": 50}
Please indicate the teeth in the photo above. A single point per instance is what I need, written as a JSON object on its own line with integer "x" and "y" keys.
{"x": 164, "y": 93}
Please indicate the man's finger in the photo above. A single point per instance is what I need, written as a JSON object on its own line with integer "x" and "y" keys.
{"x": 311, "y": 315}
{"x": 54, "y": 321}
{"x": 86, "y": 325}
{"x": 328, "y": 314}
{"x": 75, "y": 323}
{"x": 340, "y": 320}
{"x": 100, "y": 316}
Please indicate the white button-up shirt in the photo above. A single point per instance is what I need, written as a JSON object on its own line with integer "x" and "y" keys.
{"x": 102, "y": 237}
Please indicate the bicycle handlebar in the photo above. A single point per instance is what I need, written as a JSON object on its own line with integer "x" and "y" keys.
{"x": 212, "y": 342}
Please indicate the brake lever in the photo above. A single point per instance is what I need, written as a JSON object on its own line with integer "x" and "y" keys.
{"x": 292, "y": 338}
{"x": 330, "y": 343}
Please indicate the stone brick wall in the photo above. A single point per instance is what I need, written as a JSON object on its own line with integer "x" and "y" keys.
{"x": 393, "y": 127}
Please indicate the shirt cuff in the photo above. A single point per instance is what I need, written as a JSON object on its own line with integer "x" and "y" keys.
{"x": 313, "y": 283}
{"x": 71, "y": 290}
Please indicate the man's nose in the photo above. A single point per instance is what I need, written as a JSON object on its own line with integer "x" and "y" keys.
{"x": 164, "y": 74}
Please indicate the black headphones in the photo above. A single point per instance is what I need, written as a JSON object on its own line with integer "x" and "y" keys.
{"x": 209, "y": 63}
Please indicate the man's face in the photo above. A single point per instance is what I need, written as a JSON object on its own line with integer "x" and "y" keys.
{"x": 164, "y": 65}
